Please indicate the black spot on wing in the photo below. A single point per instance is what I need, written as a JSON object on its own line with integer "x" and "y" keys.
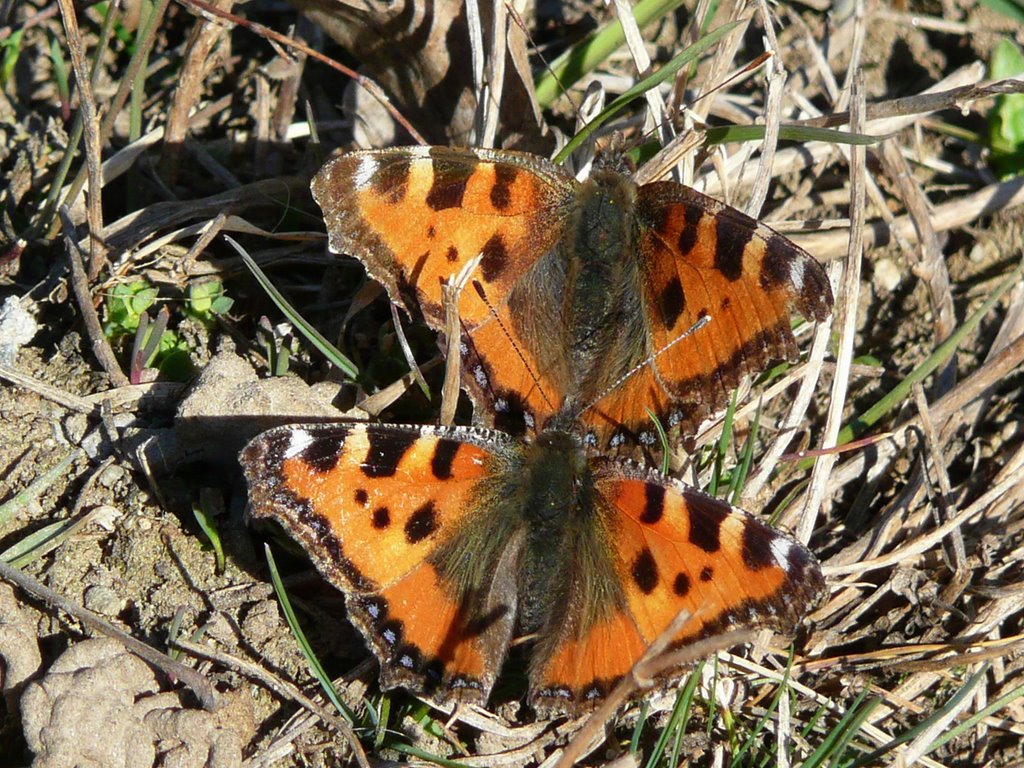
{"x": 692, "y": 214}
{"x": 757, "y": 546}
{"x": 672, "y": 301}
{"x": 323, "y": 453}
{"x": 707, "y": 573}
{"x": 645, "y": 571}
{"x": 495, "y": 258}
{"x": 681, "y": 585}
{"x": 447, "y": 188}
{"x": 730, "y": 242}
{"x": 452, "y": 254}
{"x": 706, "y": 516}
{"x": 421, "y": 523}
{"x": 444, "y": 455}
{"x": 381, "y": 518}
{"x": 776, "y": 266}
{"x": 386, "y": 451}
{"x": 391, "y": 180}
{"x": 361, "y": 497}
{"x": 501, "y": 192}
{"x": 654, "y": 503}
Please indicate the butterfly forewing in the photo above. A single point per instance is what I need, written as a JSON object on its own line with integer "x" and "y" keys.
{"x": 703, "y": 259}
{"x": 373, "y": 505}
{"x": 674, "y": 549}
{"x": 415, "y": 217}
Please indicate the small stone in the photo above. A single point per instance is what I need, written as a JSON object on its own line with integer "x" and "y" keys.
{"x": 75, "y": 427}
{"x": 887, "y": 275}
{"x": 111, "y": 476}
{"x": 17, "y": 328}
{"x": 103, "y": 600}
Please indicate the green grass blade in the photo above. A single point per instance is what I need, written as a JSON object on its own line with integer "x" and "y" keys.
{"x": 722, "y": 446}
{"x": 677, "y": 721}
{"x": 836, "y": 739}
{"x": 423, "y": 755}
{"x": 14, "y": 505}
{"x": 209, "y": 529}
{"x": 586, "y": 55}
{"x": 300, "y": 638}
{"x": 662, "y": 440}
{"x": 312, "y": 334}
{"x": 968, "y": 689}
{"x": 44, "y": 540}
{"x": 651, "y": 81}
{"x": 942, "y": 353}
{"x": 969, "y": 723}
{"x": 762, "y": 722}
{"x": 725, "y": 134}
{"x": 742, "y": 469}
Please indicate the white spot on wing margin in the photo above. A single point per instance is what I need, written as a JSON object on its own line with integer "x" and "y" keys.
{"x": 367, "y": 167}
{"x": 781, "y": 547}
{"x": 298, "y": 441}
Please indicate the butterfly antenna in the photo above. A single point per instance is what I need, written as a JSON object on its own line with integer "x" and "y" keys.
{"x": 511, "y": 340}
{"x": 701, "y": 322}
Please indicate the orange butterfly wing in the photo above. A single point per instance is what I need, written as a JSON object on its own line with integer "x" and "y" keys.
{"x": 700, "y": 258}
{"x": 415, "y": 216}
{"x": 673, "y": 549}
{"x": 376, "y": 506}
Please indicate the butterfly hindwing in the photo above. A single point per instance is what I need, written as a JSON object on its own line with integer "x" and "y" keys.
{"x": 376, "y": 507}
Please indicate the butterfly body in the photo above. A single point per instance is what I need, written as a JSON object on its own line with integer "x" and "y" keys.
{"x": 593, "y": 282}
{"x": 448, "y": 542}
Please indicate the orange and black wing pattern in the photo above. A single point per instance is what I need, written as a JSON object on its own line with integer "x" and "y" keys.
{"x": 383, "y": 511}
{"x": 702, "y": 261}
{"x": 669, "y": 548}
{"x": 415, "y": 216}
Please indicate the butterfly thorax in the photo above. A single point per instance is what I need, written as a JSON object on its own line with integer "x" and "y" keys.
{"x": 601, "y": 303}
{"x": 560, "y": 527}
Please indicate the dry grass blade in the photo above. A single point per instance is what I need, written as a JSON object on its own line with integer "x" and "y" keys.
{"x": 453, "y": 335}
{"x": 275, "y": 37}
{"x": 80, "y": 286}
{"x": 849, "y": 302}
{"x": 93, "y": 142}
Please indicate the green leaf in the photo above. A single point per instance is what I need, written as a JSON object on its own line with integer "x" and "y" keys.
{"x": 221, "y": 305}
{"x": 1013, "y": 9}
{"x": 142, "y": 300}
{"x": 1006, "y": 121}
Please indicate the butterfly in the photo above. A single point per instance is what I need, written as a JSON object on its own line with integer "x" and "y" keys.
{"x": 448, "y": 542}
{"x": 584, "y": 291}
